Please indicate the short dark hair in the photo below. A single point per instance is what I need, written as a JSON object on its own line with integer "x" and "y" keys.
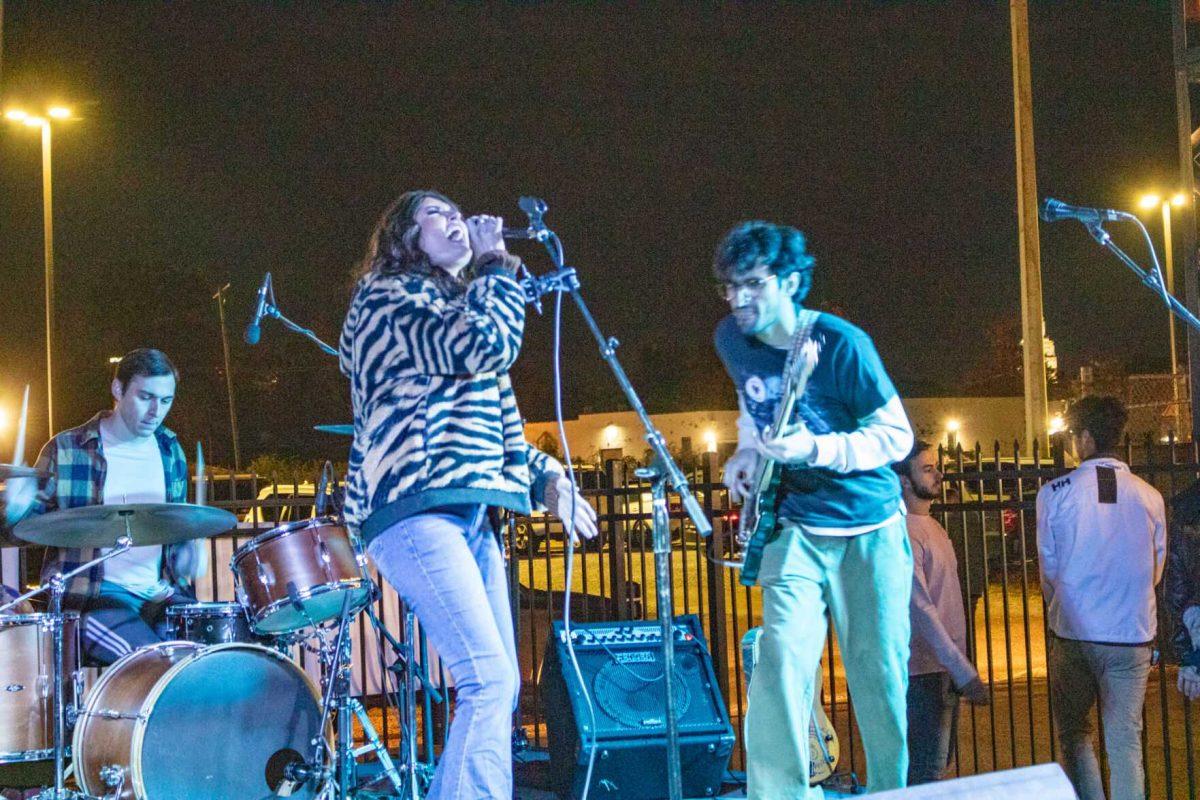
{"x": 903, "y": 467}
{"x": 144, "y": 361}
{"x": 1103, "y": 417}
{"x": 780, "y": 248}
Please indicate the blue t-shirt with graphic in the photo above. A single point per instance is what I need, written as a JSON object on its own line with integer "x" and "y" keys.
{"x": 847, "y": 384}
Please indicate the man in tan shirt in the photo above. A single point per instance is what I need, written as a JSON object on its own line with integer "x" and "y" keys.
{"x": 939, "y": 670}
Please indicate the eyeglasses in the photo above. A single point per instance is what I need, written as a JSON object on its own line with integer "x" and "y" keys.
{"x": 755, "y": 286}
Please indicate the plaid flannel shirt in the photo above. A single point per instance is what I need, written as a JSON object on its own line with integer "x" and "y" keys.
{"x": 75, "y": 461}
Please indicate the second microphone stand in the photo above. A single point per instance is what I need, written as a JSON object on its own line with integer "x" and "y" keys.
{"x": 663, "y": 473}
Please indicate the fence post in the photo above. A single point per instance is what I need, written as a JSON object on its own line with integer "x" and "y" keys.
{"x": 614, "y": 471}
{"x": 718, "y": 636}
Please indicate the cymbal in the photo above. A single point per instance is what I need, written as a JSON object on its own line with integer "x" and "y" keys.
{"x": 148, "y": 523}
{"x": 17, "y": 471}
{"x": 340, "y": 430}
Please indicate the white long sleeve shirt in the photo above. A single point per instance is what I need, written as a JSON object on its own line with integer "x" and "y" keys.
{"x": 1102, "y": 545}
{"x": 939, "y": 619}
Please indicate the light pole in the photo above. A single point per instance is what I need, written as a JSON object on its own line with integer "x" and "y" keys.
{"x": 43, "y": 122}
{"x": 1151, "y": 201}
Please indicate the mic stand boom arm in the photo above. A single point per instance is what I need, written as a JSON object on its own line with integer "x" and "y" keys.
{"x": 272, "y": 310}
{"x": 1152, "y": 278}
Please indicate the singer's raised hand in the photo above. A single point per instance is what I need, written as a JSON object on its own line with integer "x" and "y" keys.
{"x": 486, "y": 233}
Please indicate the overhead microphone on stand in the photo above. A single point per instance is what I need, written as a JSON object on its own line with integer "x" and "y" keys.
{"x": 253, "y": 330}
{"x": 1052, "y": 210}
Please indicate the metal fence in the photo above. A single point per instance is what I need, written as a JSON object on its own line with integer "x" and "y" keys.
{"x": 987, "y": 507}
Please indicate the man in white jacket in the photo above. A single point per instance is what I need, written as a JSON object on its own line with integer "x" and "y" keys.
{"x": 1102, "y": 541}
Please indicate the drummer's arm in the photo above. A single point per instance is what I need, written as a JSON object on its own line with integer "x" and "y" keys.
{"x": 22, "y": 498}
{"x": 191, "y": 560}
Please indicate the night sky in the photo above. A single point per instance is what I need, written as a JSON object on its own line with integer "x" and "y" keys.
{"x": 220, "y": 141}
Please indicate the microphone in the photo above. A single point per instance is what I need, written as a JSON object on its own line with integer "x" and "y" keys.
{"x": 252, "y": 330}
{"x": 524, "y": 233}
{"x": 1052, "y": 210}
{"x": 534, "y": 208}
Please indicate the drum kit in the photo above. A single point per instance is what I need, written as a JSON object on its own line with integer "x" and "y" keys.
{"x": 220, "y": 711}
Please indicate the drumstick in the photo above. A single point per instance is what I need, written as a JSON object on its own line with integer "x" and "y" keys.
{"x": 201, "y": 485}
{"x": 19, "y": 450}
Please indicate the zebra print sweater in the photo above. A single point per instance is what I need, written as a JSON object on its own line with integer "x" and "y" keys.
{"x": 436, "y": 422}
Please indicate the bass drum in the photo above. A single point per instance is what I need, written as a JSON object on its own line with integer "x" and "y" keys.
{"x": 177, "y": 719}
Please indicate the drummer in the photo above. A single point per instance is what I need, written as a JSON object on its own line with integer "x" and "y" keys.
{"x": 121, "y": 456}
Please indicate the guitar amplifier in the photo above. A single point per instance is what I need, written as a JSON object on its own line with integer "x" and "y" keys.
{"x": 622, "y": 669}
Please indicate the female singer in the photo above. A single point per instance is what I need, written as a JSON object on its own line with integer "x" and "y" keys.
{"x": 435, "y": 324}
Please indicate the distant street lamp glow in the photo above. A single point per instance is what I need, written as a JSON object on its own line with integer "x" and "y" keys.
{"x": 4, "y": 421}
{"x": 710, "y": 441}
{"x": 1057, "y": 424}
{"x": 15, "y": 114}
{"x": 953, "y": 425}
{"x": 114, "y": 359}
{"x": 1149, "y": 201}
{"x": 59, "y": 112}
{"x": 1179, "y": 199}
{"x": 33, "y": 122}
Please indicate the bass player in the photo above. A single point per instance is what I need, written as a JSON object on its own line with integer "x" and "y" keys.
{"x": 839, "y": 544}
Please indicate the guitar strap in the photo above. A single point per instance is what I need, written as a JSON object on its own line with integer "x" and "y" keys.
{"x": 805, "y": 321}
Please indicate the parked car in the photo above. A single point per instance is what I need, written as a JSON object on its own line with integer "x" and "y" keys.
{"x": 273, "y": 499}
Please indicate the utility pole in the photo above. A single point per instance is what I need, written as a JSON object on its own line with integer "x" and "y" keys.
{"x": 1182, "y": 57}
{"x": 1032, "y": 320}
{"x": 233, "y": 426}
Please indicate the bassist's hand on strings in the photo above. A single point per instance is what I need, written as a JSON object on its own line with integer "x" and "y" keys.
{"x": 738, "y": 474}
{"x": 797, "y": 446}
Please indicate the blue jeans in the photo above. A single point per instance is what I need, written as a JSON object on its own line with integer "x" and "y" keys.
{"x": 932, "y": 726}
{"x": 450, "y": 572}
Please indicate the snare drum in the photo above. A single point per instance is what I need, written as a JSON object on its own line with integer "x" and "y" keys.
{"x": 298, "y": 575}
{"x": 27, "y": 683}
{"x": 211, "y": 623}
{"x": 176, "y": 719}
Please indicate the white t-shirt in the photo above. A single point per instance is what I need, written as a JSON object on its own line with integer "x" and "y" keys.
{"x": 135, "y": 475}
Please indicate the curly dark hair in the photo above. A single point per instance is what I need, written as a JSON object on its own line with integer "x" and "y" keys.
{"x": 780, "y": 248}
{"x": 394, "y": 247}
{"x": 1103, "y": 417}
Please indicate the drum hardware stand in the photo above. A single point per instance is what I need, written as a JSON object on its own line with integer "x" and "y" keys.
{"x": 565, "y": 280}
{"x": 408, "y": 673}
{"x": 339, "y": 782}
{"x": 56, "y": 586}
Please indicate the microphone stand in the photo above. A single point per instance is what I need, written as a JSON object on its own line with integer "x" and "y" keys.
{"x": 1152, "y": 278}
{"x": 664, "y": 472}
{"x": 272, "y": 310}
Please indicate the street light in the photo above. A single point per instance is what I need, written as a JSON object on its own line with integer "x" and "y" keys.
{"x": 23, "y": 117}
{"x": 1150, "y": 201}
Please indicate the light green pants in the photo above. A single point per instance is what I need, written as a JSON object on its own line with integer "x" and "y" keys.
{"x": 864, "y": 582}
